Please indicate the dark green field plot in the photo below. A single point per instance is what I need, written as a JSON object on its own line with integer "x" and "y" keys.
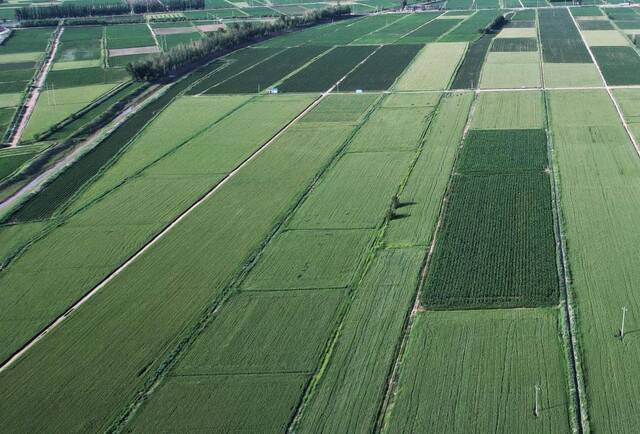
{"x": 526, "y": 15}
{"x": 515, "y": 44}
{"x": 595, "y": 25}
{"x": 629, "y": 24}
{"x": 235, "y": 63}
{"x": 9, "y": 163}
{"x": 468, "y": 75}
{"x": 129, "y": 36}
{"x": 268, "y": 72}
{"x": 497, "y": 245}
{"x": 620, "y": 65}
{"x": 266, "y": 333}
{"x": 309, "y": 259}
{"x": 167, "y": 42}
{"x": 80, "y": 43}
{"x": 504, "y": 151}
{"x": 6, "y": 115}
{"x": 430, "y": 32}
{"x": 586, "y": 11}
{"x": 355, "y": 193}
{"x": 459, "y": 4}
{"x": 621, "y": 13}
{"x": 243, "y": 403}
{"x": 381, "y": 69}
{"x": 561, "y": 41}
{"x": 9, "y": 75}
{"x": 469, "y": 30}
{"x": 84, "y": 77}
{"x": 327, "y": 70}
{"x": 26, "y": 41}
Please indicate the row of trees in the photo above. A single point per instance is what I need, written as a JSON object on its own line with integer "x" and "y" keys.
{"x": 74, "y": 10}
{"x": 218, "y": 43}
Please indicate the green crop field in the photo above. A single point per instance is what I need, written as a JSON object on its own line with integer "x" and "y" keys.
{"x": 416, "y": 218}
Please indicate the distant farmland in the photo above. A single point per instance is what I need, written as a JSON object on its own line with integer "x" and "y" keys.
{"x": 399, "y": 221}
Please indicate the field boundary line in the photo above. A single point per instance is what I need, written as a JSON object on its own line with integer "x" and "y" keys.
{"x": 439, "y": 38}
{"x": 392, "y": 380}
{"x": 153, "y": 34}
{"x": 578, "y": 409}
{"x": 30, "y": 104}
{"x": 607, "y": 87}
{"x": 60, "y": 319}
{"x": 201, "y": 323}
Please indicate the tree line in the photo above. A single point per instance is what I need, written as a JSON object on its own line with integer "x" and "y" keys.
{"x": 75, "y": 10}
{"x": 218, "y": 43}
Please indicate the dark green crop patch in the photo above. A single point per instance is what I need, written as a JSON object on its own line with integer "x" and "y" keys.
{"x": 620, "y": 65}
{"x": 515, "y": 44}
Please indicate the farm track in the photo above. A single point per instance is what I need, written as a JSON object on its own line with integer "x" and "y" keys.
{"x": 30, "y": 104}
{"x": 570, "y": 329}
{"x": 60, "y": 319}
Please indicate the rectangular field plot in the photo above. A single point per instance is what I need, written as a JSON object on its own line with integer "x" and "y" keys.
{"x": 509, "y": 110}
{"x": 433, "y": 67}
{"x": 504, "y": 151}
{"x": 561, "y": 41}
{"x": 571, "y": 75}
{"x": 243, "y": 403}
{"x": 391, "y": 33}
{"x": 629, "y": 100}
{"x": 467, "y": 31}
{"x": 380, "y": 71}
{"x": 281, "y": 331}
{"x": 427, "y": 183}
{"x": 475, "y": 371}
{"x": 327, "y": 70}
{"x": 346, "y": 108}
{"x": 129, "y": 36}
{"x": 351, "y": 388}
{"x": 599, "y": 169}
{"x": 509, "y": 73}
{"x": 430, "y": 32}
{"x": 309, "y": 259}
{"x": 355, "y": 193}
{"x": 515, "y": 44}
{"x": 619, "y": 65}
{"x": 605, "y": 38}
{"x": 393, "y": 128}
{"x": 497, "y": 246}
{"x": 261, "y": 76}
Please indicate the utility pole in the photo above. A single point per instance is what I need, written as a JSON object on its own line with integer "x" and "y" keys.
{"x": 536, "y": 410}
{"x": 624, "y": 313}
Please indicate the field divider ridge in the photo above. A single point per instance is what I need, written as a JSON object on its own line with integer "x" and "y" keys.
{"x": 607, "y": 87}
{"x": 578, "y": 396}
{"x": 416, "y": 307}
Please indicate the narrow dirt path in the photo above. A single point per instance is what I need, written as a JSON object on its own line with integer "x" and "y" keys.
{"x": 30, "y": 104}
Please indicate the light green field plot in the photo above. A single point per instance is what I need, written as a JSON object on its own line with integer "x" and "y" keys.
{"x": 506, "y": 72}
{"x": 268, "y": 402}
{"x": 424, "y": 100}
{"x": 76, "y": 64}
{"x": 121, "y": 327}
{"x": 509, "y": 110}
{"x": 271, "y": 332}
{"x": 517, "y": 57}
{"x": 629, "y": 100}
{"x": 309, "y": 259}
{"x": 350, "y": 390}
{"x": 599, "y": 172}
{"x": 433, "y": 67}
{"x": 54, "y": 106}
{"x": 392, "y": 129}
{"x": 422, "y": 195}
{"x": 341, "y": 108}
{"x": 571, "y": 75}
{"x": 355, "y": 193}
{"x": 20, "y": 57}
{"x": 518, "y": 32}
{"x": 10, "y": 99}
{"x": 184, "y": 118}
{"x": 475, "y": 371}
{"x": 604, "y": 38}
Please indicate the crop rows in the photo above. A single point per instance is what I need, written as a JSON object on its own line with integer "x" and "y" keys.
{"x": 515, "y": 44}
{"x": 619, "y": 65}
{"x": 430, "y": 32}
{"x": 561, "y": 41}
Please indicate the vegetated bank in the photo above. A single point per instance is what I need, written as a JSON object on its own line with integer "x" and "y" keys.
{"x": 184, "y": 57}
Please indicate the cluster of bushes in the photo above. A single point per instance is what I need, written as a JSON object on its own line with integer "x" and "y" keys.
{"x": 122, "y": 19}
{"x": 145, "y": 6}
{"x": 496, "y": 25}
{"x": 75, "y": 10}
{"x": 218, "y": 43}
{"x": 52, "y": 22}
